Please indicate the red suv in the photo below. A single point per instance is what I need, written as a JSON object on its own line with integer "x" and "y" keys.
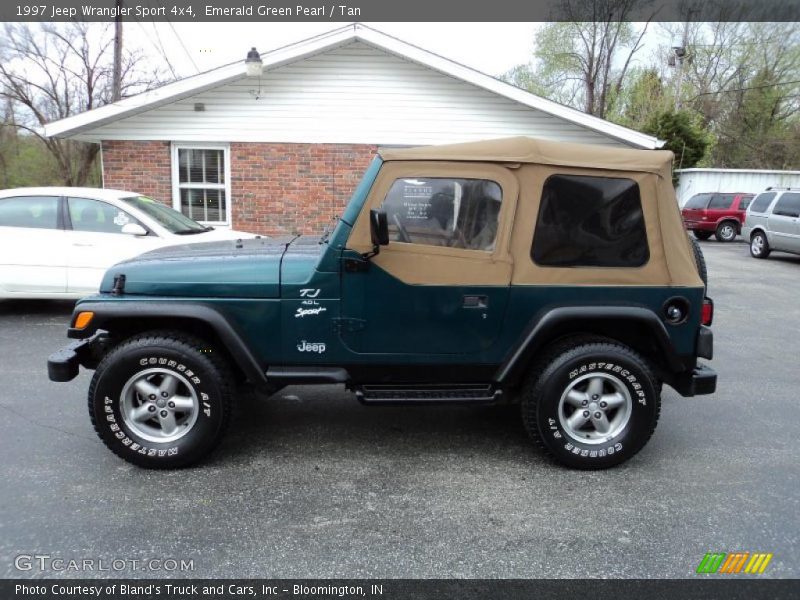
{"x": 715, "y": 213}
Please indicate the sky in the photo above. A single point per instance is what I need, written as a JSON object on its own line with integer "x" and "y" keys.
{"x": 492, "y": 48}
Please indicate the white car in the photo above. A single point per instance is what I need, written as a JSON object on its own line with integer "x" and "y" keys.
{"x": 57, "y": 242}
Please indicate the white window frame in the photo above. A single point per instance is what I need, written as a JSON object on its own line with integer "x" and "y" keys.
{"x": 177, "y": 186}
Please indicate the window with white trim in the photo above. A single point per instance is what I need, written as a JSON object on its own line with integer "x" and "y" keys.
{"x": 201, "y": 182}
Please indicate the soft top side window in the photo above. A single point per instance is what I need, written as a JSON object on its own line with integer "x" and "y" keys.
{"x": 590, "y": 222}
{"x": 443, "y": 211}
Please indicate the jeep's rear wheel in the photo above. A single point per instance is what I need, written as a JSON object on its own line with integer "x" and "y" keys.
{"x": 591, "y": 406}
{"x": 726, "y": 231}
{"x": 702, "y": 235}
{"x": 161, "y": 400}
{"x": 700, "y": 262}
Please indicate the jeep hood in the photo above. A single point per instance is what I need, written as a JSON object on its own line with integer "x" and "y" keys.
{"x": 247, "y": 268}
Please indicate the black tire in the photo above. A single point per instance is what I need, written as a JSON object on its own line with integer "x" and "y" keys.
{"x": 702, "y": 235}
{"x": 546, "y": 411}
{"x": 700, "y": 261}
{"x": 203, "y": 383}
{"x": 759, "y": 245}
{"x": 726, "y": 231}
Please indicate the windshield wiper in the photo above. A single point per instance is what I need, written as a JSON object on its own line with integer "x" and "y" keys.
{"x": 191, "y": 231}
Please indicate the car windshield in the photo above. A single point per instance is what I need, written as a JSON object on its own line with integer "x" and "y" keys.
{"x": 168, "y": 218}
{"x": 698, "y": 201}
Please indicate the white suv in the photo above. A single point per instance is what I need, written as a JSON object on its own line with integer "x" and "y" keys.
{"x": 57, "y": 242}
{"x": 773, "y": 222}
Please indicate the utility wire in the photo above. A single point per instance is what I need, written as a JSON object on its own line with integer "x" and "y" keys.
{"x": 180, "y": 40}
{"x": 744, "y": 89}
{"x": 160, "y": 43}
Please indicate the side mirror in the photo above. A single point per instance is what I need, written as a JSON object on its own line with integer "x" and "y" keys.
{"x": 134, "y": 229}
{"x": 379, "y": 228}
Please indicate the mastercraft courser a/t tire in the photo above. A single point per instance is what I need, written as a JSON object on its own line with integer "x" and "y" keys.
{"x": 591, "y": 405}
{"x": 161, "y": 400}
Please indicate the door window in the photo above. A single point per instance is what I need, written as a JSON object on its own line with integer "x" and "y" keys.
{"x": 788, "y": 205}
{"x": 762, "y": 202}
{"x": 721, "y": 201}
{"x": 443, "y": 211}
{"x": 37, "y": 212}
{"x": 96, "y": 216}
{"x": 745, "y": 202}
{"x": 590, "y": 222}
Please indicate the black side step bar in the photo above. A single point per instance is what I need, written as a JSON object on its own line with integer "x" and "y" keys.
{"x": 428, "y": 394}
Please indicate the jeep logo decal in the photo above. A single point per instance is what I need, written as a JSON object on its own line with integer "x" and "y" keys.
{"x": 317, "y": 347}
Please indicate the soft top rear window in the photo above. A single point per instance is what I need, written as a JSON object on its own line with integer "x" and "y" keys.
{"x": 590, "y": 222}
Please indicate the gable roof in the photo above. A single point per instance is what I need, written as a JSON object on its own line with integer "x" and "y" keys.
{"x": 202, "y": 82}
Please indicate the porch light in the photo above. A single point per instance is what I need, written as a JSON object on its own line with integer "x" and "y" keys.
{"x": 253, "y": 63}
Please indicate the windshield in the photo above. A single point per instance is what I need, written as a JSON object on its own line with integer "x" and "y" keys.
{"x": 168, "y": 218}
{"x": 698, "y": 201}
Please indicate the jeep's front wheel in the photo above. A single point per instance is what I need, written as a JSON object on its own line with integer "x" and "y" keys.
{"x": 161, "y": 400}
{"x": 592, "y": 406}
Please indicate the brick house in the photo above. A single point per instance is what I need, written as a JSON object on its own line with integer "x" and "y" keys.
{"x": 282, "y": 151}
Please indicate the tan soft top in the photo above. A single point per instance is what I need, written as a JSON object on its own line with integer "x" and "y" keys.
{"x": 529, "y": 150}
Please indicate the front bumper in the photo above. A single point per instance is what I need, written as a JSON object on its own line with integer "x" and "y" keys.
{"x": 63, "y": 365}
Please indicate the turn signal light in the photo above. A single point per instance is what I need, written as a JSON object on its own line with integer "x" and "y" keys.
{"x": 708, "y": 311}
{"x": 83, "y": 319}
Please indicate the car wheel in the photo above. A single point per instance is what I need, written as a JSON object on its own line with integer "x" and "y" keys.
{"x": 161, "y": 400}
{"x": 759, "y": 246}
{"x": 591, "y": 406}
{"x": 701, "y": 235}
{"x": 726, "y": 231}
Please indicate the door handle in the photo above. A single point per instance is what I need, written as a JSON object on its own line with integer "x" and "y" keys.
{"x": 476, "y": 301}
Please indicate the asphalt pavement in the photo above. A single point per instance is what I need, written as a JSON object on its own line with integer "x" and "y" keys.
{"x": 309, "y": 483}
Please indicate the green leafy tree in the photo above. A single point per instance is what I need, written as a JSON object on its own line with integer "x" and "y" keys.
{"x": 683, "y": 134}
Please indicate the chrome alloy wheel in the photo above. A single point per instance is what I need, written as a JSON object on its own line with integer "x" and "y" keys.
{"x": 727, "y": 232}
{"x": 757, "y": 245}
{"x": 159, "y": 405}
{"x": 595, "y": 408}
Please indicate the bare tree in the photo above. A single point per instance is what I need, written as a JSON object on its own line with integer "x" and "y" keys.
{"x": 584, "y": 60}
{"x": 53, "y": 71}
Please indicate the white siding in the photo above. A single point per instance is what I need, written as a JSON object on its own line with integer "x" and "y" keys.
{"x": 352, "y": 94}
{"x": 698, "y": 181}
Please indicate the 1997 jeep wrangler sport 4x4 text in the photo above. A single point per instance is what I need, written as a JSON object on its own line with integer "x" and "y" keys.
{"x": 554, "y": 275}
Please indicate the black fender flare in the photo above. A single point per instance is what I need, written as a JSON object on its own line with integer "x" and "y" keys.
{"x": 542, "y": 327}
{"x": 132, "y": 309}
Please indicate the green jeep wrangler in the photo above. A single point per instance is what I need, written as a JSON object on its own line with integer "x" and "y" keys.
{"x": 556, "y": 276}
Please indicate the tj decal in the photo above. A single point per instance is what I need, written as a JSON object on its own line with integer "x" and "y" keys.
{"x": 309, "y": 293}
{"x": 318, "y": 347}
